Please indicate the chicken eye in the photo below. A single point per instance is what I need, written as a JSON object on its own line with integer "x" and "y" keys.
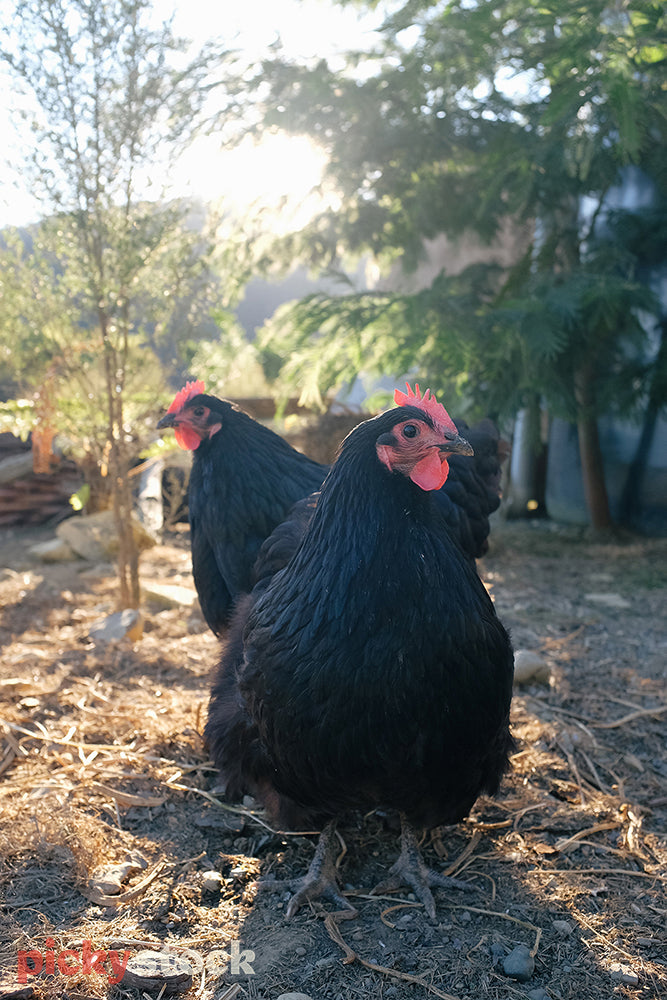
{"x": 199, "y": 411}
{"x": 410, "y": 431}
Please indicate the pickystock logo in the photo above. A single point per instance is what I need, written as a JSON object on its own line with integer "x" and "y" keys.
{"x": 112, "y": 963}
{"x": 234, "y": 961}
{"x": 71, "y": 961}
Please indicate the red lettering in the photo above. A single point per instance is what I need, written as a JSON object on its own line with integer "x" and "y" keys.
{"x": 50, "y": 964}
{"x": 92, "y": 961}
{"x": 68, "y": 970}
{"x": 118, "y": 965}
{"x": 23, "y": 969}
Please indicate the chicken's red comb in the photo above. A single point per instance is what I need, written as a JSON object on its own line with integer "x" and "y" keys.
{"x": 189, "y": 390}
{"x": 428, "y": 403}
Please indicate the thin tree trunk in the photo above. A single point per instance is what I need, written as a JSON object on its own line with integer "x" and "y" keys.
{"x": 592, "y": 467}
{"x": 527, "y": 486}
{"x": 128, "y": 554}
{"x": 630, "y": 497}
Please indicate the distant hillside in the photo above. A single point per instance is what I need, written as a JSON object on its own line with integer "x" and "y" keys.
{"x": 263, "y": 295}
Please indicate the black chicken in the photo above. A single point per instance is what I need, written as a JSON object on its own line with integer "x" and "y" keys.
{"x": 245, "y": 479}
{"x": 243, "y": 482}
{"x": 371, "y": 671}
{"x": 472, "y": 490}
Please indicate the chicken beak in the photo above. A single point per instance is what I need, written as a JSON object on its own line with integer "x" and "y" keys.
{"x": 168, "y": 420}
{"x": 454, "y": 445}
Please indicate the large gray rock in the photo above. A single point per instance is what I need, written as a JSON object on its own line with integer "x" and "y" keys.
{"x": 53, "y": 551}
{"x": 158, "y": 972}
{"x": 93, "y": 536}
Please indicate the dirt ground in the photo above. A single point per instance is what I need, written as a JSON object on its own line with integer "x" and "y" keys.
{"x": 101, "y": 761}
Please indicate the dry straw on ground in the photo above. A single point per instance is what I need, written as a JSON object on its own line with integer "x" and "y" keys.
{"x": 102, "y": 767}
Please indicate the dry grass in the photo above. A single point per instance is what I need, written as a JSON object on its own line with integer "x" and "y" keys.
{"x": 101, "y": 761}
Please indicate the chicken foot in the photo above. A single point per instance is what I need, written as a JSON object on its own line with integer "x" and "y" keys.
{"x": 319, "y": 882}
{"x": 410, "y": 869}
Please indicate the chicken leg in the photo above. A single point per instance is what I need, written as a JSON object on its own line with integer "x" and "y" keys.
{"x": 320, "y": 881}
{"x": 411, "y": 870}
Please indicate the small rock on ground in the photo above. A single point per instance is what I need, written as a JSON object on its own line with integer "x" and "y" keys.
{"x": 498, "y": 952}
{"x": 93, "y": 536}
{"x": 530, "y": 668}
{"x": 121, "y": 624}
{"x": 609, "y": 600}
{"x": 154, "y": 970}
{"x": 211, "y": 881}
{"x": 16, "y": 992}
{"x": 562, "y": 927}
{"x": 623, "y": 974}
{"x": 519, "y": 964}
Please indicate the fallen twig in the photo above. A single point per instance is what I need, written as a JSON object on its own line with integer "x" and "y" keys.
{"x": 331, "y": 924}
{"x": 465, "y": 853}
{"x": 575, "y": 771}
{"x": 595, "y": 871}
{"x": 240, "y": 811}
{"x": 47, "y": 737}
{"x": 604, "y": 940}
{"x": 343, "y": 849}
{"x": 639, "y": 714}
{"x": 556, "y": 708}
{"x": 126, "y": 799}
{"x": 100, "y": 899}
{"x": 391, "y": 909}
{"x": 502, "y": 916}
{"x": 594, "y": 774}
{"x": 8, "y": 759}
{"x": 232, "y": 992}
{"x": 564, "y": 844}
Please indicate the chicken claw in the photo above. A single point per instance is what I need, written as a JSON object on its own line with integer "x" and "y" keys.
{"x": 319, "y": 882}
{"x": 411, "y": 870}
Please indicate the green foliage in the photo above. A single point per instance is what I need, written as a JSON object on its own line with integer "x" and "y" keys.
{"x": 466, "y": 116}
{"x": 50, "y": 332}
{"x": 230, "y": 366}
{"x": 108, "y": 272}
{"x": 17, "y": 417}
{"x": 328, "y": 341}
{"x": 107, "y": 279}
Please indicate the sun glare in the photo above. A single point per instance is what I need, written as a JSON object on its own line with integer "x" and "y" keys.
{"x": 281, "y": 175}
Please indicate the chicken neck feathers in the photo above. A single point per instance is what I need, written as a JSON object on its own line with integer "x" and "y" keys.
{"x": 243, "y": 482}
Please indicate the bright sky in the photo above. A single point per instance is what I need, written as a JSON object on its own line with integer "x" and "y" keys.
{"x": 283, "y": 166}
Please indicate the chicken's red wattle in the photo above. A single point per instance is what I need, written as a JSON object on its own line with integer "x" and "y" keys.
{"x": 431, "y": 472}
